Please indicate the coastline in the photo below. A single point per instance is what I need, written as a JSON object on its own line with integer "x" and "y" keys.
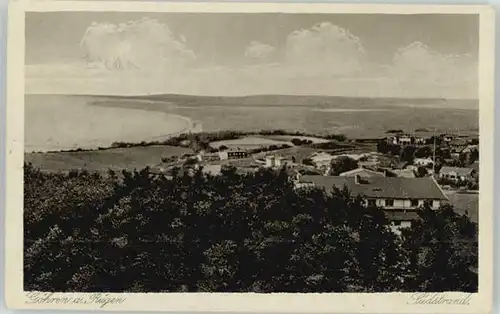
{"x": 158, "y": 116}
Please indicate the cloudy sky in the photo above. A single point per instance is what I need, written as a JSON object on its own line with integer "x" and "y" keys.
{"x": 242, "y": 54}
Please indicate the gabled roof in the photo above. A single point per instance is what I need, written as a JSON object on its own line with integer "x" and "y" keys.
{"x": 321, "y": 155}
{"x": 457, "y": 170}
{"x": 382, "y": 187}
{"x": 459, "y": 142}
{"x": 212, "y": 169}
{"x": 362, "y": 172}
{"x": 470, "y": 148}
{"x": 235, "y": 150}
{"x": 404, "y": 173}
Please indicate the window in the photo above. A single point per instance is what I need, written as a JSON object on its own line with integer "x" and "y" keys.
{"x": 414, "y": 203}
{"x": 389, "y": 202}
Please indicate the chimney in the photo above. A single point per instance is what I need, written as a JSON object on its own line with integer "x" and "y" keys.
{"x": 357, "y": 179}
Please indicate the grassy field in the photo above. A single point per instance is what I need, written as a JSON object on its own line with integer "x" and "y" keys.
{"x": 102, "y": 160}
{"x": 299, "y": 152}
{"x": 250, "y": 142}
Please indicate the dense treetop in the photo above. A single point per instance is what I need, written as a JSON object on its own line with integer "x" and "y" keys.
{"x": 254, "y": 232}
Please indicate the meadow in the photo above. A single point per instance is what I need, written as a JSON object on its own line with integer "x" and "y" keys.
{"x": 102, "y": 160}
{"x": 250, "y": 142}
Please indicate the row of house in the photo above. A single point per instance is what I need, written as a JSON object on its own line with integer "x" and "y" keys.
{"x": 405, "y": 139}
{"x": 223, "y": 155}
{"x": 408, "y": 139}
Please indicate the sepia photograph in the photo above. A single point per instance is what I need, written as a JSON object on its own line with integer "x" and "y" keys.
{"x": 170, "y": 151}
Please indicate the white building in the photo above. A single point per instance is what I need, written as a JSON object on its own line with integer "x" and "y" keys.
{"x": 419, "y": 140}
{"x": 399, "y": 197}
{"x": 233, "y": 154}
{"x": 204, "y": 156}
{"x": 423, "y": 162}
{"x": 322, "y": 159}
{"x": 457, "y": 174}
{"x": 273, "y": 161}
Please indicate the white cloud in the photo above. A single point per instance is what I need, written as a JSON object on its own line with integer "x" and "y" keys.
{"x": 143, "y": 44}
{"x": 258, "y": 50}
{"x": 325, "y": 46}
{"x": 418, "y": 67}
{"x": 325, "y": 59}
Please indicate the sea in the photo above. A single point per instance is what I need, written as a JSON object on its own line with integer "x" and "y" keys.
{"x": 65, "y": 121}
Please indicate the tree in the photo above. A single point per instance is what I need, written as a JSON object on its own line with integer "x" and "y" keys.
{"x": 473, "y": 185}
{"x": 443, "y": 153}
{"x": 338, "y": 137}
{"x": 423, "y": 152}
{"x": 382, "y": 147}
{"x": 393, "y": 131}
{"x": 140, "y": 232}
{"x": 421, "y": 172}
{"x": 464, "y": 159}
{"x": 474, "y": 156}
{"x": 190, "y": 161}
{"x": 308, "y": 161}
{"x": 407, "y": 154}
{"x": 442, "y": 252}
{"x": 434, "y": 139}
{"x": 386, "y": 148}
{"x": 342, "y": 164}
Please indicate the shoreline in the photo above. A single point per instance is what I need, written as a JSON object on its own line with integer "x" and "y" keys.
{"x": 99, "y": 144}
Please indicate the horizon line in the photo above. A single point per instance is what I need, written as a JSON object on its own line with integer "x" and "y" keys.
{"x": 254, "y": 95}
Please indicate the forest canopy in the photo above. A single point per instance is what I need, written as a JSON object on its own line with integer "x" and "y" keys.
{"x": 140, "y": 232}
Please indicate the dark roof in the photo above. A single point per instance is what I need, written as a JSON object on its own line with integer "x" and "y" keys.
{"x": 382, "y": 187}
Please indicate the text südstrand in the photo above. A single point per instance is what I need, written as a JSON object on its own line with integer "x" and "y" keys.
{"x": 439, "y": 298}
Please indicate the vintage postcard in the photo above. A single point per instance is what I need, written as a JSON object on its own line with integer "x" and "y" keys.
{"x": 244, "y": 157}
